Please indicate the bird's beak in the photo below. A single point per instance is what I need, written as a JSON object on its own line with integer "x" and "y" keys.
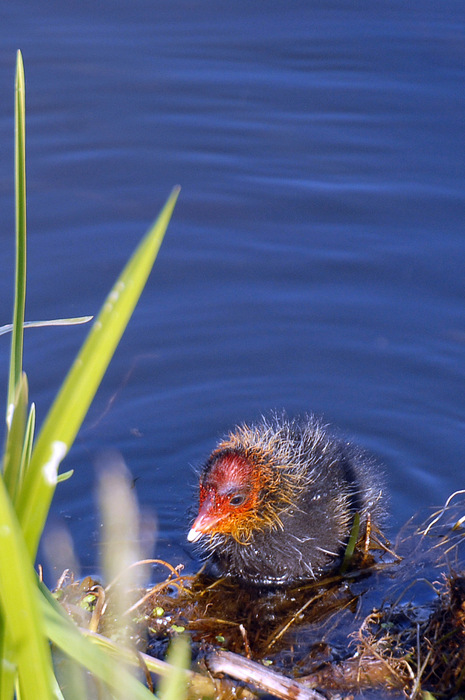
{"x": 204, "y": 522}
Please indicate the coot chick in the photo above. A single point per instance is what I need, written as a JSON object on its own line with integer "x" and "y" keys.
{"x": 277, "y": 501}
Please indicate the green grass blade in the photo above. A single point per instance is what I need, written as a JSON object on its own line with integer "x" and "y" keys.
{"x": 16, "y": 358}
{"x": 351, "y": 544}
{"x": 69, "y": 408}
{"x": 20, "y": 608}
{"x": 28, "y": 442}
{"x": 174, "y": 686}
{"x": 64, "y": 633}
{"x": 15, "y": 439}
{"x": 65, "y": 476}
{"x": 8, "y": 666}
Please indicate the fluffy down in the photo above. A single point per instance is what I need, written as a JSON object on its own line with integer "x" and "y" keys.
{"x": 277, "y": 501}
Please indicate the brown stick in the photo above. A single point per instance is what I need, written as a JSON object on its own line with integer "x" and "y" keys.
{"x": 251, "y": 672}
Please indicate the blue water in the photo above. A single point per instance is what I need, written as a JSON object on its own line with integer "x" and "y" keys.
{"x": 315, "y": 261}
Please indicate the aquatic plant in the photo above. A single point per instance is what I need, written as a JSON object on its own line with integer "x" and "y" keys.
{"x": 30, "y": 617}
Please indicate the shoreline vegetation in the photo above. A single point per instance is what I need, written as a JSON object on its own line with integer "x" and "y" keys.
{"x": 393, "y": 623}
{"x": 368, "y": 629}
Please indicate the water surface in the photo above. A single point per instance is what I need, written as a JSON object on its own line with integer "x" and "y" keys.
{"x": 315, "y": 259}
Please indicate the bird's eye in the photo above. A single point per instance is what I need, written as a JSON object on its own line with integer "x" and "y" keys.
{"x": 237, "y": 499}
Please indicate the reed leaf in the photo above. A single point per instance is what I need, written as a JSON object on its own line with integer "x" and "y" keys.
{"x": 16, "y": 356}
{"x": 174, "y": 686}
{"x": 14, "y": 447}
{"x": 75, "y": 321}
{"x": 23, "y": 625}
{"x": 102, "y": 663}
{"x": 70, "y": 406}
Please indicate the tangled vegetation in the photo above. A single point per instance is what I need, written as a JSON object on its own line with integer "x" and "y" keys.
{"x": 394, "y": 622}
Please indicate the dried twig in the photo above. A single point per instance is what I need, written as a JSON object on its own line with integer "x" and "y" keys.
{"x": 259, "y": 676}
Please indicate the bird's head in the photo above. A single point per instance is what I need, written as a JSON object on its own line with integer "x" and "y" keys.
{"x": 247, "y": 483}
{"x": 229, "y": 496}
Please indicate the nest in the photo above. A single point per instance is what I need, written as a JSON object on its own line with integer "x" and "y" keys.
{"x": 394, "y": 621}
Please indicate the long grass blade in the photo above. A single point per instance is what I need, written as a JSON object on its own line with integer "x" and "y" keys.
{"x": 20, "y": 608}
{"x": 62, "y": 632}
{"x": 8, "y": 328}
{"x": 15, "y": 439}
{"x": 28, "y": 443}
{"x": 174, "y": 686}
{"x": 69, "y": 408}
{"x": 16, "y": 357}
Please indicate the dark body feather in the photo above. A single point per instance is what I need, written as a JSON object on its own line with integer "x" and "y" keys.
{"x": 313, "y": 484}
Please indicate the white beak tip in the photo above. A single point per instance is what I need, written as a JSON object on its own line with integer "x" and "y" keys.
{"x": 193, "y": 535}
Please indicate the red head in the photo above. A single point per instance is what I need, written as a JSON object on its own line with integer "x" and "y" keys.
{"x": 229, "y": 497}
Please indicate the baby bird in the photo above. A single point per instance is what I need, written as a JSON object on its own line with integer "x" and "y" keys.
{"x": 277, "y": 501}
